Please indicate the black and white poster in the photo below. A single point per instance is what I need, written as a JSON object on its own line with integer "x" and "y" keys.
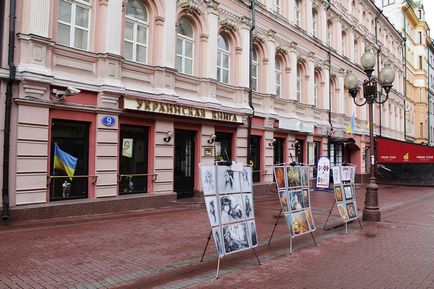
{"x": 231, "y": 208}
{"x": 235, "y": 237}
{"x": 228, "y": 180}
{"x": 211, "y": 208}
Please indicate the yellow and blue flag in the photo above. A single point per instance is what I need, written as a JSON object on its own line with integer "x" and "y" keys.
{"x": 64, "y": 161}
{"x": 350, "y": 126}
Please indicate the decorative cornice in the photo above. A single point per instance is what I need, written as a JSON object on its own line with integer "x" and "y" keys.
{"x": 228, "y": 25}
{"x": 258, "y": 38}
{"x": 280, "y": 49}
{"x": 190, "y": 7}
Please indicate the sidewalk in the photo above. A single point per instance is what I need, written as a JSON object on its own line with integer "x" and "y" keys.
{"x": 162, "y": 248}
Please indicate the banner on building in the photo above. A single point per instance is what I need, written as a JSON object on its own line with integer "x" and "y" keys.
{"x": 229, "y": 204}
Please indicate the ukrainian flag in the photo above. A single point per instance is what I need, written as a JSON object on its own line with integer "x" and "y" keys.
{"x": 351, "y": 125}
{"x": 64, "y": 161}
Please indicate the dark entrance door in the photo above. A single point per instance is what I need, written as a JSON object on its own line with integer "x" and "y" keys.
{"x": 255, "y": 150}
{"x": 184, "y": 163}
{"x": 278, "y": 151}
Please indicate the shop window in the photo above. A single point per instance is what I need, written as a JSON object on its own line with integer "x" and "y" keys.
{"x": 69, "y": 160}
{"x": 278, "y": 147}
{"x": 336, "y": 153}
{"x": 223, "y": 146}
{"x": 299, "y": 151}
{"x": 133, "y": 160}
{"x": 255, "y": 151}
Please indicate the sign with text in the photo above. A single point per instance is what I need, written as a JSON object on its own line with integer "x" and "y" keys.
{"x": 323, "y": 173}
{"x": 392, "y": 151}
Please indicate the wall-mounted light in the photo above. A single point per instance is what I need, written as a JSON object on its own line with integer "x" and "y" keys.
{"x": 168, "y": 137}
{"x": 212, "y": 139}
{"x": 273, "y": 141}
{"x": 57, "y": 94}
{"x": 295, "y": 144}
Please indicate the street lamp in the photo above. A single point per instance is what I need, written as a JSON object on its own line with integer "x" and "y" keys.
{"x": 371, "y": 94}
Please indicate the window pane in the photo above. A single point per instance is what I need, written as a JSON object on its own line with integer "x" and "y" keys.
{"x": 222, "y": 43}
{"x": 188, "y": 49}
{"x": 81, "y": 17}
{"x": 141, "y": 34}
{"x": 179, "y": 63}
{"x": 64, "y": 11}
{"x": 136, "y": 10}
{"x": 63, "y": 33}
{"x": 219, "y": 59}
{"x": 141, "y": 54}
{"x": 129, "y": 31}
{"x": 179, "y": 46}
{"x": 185, "y": 28}
{"x": 128, "y": 50}
{"x": 225, "y": 60}
{"x": 226, "y": 76}
{"x": 188, "y": 66}
{"x": 219, "y": 74}
{"x": 80, "y": 40}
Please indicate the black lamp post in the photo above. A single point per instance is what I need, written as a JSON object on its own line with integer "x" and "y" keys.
{"x": 371, "y": 95}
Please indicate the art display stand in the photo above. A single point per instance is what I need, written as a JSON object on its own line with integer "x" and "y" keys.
{"x": 228, "y": 197}
{"x": 345, "y": 195}
{"x": 292, "y": 182}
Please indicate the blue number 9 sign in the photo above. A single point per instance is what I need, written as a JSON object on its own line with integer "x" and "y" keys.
{"x": 108, "y": 120}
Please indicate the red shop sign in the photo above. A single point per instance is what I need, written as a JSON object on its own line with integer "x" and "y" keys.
{"x": 393, "y": 151}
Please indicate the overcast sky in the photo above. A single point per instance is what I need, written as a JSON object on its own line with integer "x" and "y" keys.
{"x": 429, "y": 14}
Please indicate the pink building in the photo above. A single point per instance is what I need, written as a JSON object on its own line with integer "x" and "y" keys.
{"x": 142, "y": 91}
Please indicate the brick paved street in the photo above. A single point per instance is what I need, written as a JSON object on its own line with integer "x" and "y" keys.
{"x": 162, "y": 248}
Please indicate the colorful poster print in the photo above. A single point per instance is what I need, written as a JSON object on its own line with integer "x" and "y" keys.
{"x": 216, "y": 232}
{"x": 208, "y": 179}
{"x": 296, "y": 198}
{"x": 304, "y": 176}
{"x": 279, "y": 175}
{"x": 351, "y": 211}
{"x": 336, "y": 175}
{"x": 248, "y": 205}
{"x": 343, "y": 212}
{"x": 338, "y": 194}
{"x": 235, "y": 237}
{"x": 212, "y": 209}
{"x": 310, "y": 220}
{"x": 346, "y": 173}
{"x": 299, "y": 223}
{"x": 293, "y": 176}
{"x": 283, "y": 196}
{"x": 323, "y": 173}
{"x": 246, "y": 180}
{"x": 288, "y": 218}
{"x": 306, "y": 198}
{"x": 231, "y": 208}
{"x": 228, "y": 180}
{"x": 253, "y": 238}
{"x": 348, "y": 192}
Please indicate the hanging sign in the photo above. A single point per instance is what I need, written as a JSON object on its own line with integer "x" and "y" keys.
{"x": 323, "y": 173}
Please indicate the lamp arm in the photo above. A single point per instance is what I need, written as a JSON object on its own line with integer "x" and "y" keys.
{"x": 383, "y": 100}
{"x": 360, "y": 104}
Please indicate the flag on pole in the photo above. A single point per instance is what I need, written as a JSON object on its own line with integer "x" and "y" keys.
{"x": 367, "y": 125}
{"x": 64, "y": 161}
{"x": 350, "y": 126}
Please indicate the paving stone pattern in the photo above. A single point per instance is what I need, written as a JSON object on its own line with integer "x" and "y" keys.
{"x": 162, "y": 248}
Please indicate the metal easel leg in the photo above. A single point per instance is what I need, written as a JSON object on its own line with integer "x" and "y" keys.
{"x": 328, "y": 215}
{"x": 254, "y": 252}
{"x": 206, "y": 246}
{"x": 275, "y": 225}
{"x": 346, "y": 227}
{"x": 313, "y": 239}
{"x": 290, "y": 245}
{"x": 358, "y": 219}
{"x": 218, "y": 268}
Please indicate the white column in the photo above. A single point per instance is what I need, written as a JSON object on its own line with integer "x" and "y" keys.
{"x": 113, "y": 27}
{"x": 212, "y": 44}
{"x": 310, "y": 81}
{"x": 351, "y": 45}
{"x": 340, "y": 100}
{"x": 245, "y": 53}
{"x": 35, "y": 19}
{"x": 326, "y": 89}
{"x": 169, "y": 33}
{"x": 291, "y": 15}
{"x": 270, "y": 75}
{"x": 323, "y": 24}
{"x": 293, "y": 74}
{"x": 339, "y": 36}
{"x": 308, "y": 17}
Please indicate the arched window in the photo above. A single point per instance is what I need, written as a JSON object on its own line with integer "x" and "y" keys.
{"x": 329, "y": 33}
{"x": 344, "y": 43}
{"x": 299, "y": 82}
{"x": 315, "y": 23}
{"x": 223, "y": 59}
{"x": 73, "y": 21}
{"x": 316, "y": 89}
{"x": 255, "y": 70}
{"x": 136, "y": 32}
{"x": 185, "y": 47}
{"x": 278, "y": 71}
{"x": 297, "y": 12}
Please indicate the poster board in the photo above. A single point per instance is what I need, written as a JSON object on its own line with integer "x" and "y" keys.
{"x": 294, "y": 194}
{"x": 228, "y": 197}
{"x": 344, "y": 191}
{"x": 323, "y": 173}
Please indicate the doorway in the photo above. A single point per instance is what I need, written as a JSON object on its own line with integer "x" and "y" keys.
{"x": 184, "y": 163}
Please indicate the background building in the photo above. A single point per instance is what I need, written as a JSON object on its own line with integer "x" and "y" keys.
{"x": 431, "y": 92}
{"x": 163, "y": 86}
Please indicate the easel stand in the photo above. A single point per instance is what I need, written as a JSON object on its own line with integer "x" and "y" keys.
{"x": 346, "y": 223}
{"x": 290, "y": 237}
{"x": 221, "y": 257}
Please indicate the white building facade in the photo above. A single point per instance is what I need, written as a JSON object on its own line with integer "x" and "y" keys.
{"x": 163, "y": 86}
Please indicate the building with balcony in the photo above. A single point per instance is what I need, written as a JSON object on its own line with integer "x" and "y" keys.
{"x": 137, "y": 93}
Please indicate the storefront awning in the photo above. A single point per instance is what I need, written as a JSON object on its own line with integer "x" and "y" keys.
{"x": 334, "y": 139}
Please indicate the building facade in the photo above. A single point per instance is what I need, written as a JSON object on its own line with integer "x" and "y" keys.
{"x": 138, "y": 93}
{"x": 431, "y": 92}
{"x": 408, "y": 16}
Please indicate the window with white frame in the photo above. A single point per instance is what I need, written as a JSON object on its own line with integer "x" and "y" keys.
{"x": 356, "y": 51}
{"x": 344, "y": 43}
{"x": 278, "y": 71}
{"x": 136, "y": 32}
{"x": 299, "y": 83}
{"x": 315, "y": 23}
{"x": 255, "y": 69}
{"x": 329, "y": 33}
{"x": 73, "y": 21}
{"x": 388, "y": 2}
{"x": 297, "y": 12}
{"x": 315, "y": 89}
{"x": 276, "y": 6}
{"x": 223, "y": 59}
{"x": 185, "y": 47}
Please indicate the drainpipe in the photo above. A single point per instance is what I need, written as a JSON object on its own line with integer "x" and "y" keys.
{"x": 249, "y": 119}
{"x": 330, "y": 87}
{"x": 7, "y": 126}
